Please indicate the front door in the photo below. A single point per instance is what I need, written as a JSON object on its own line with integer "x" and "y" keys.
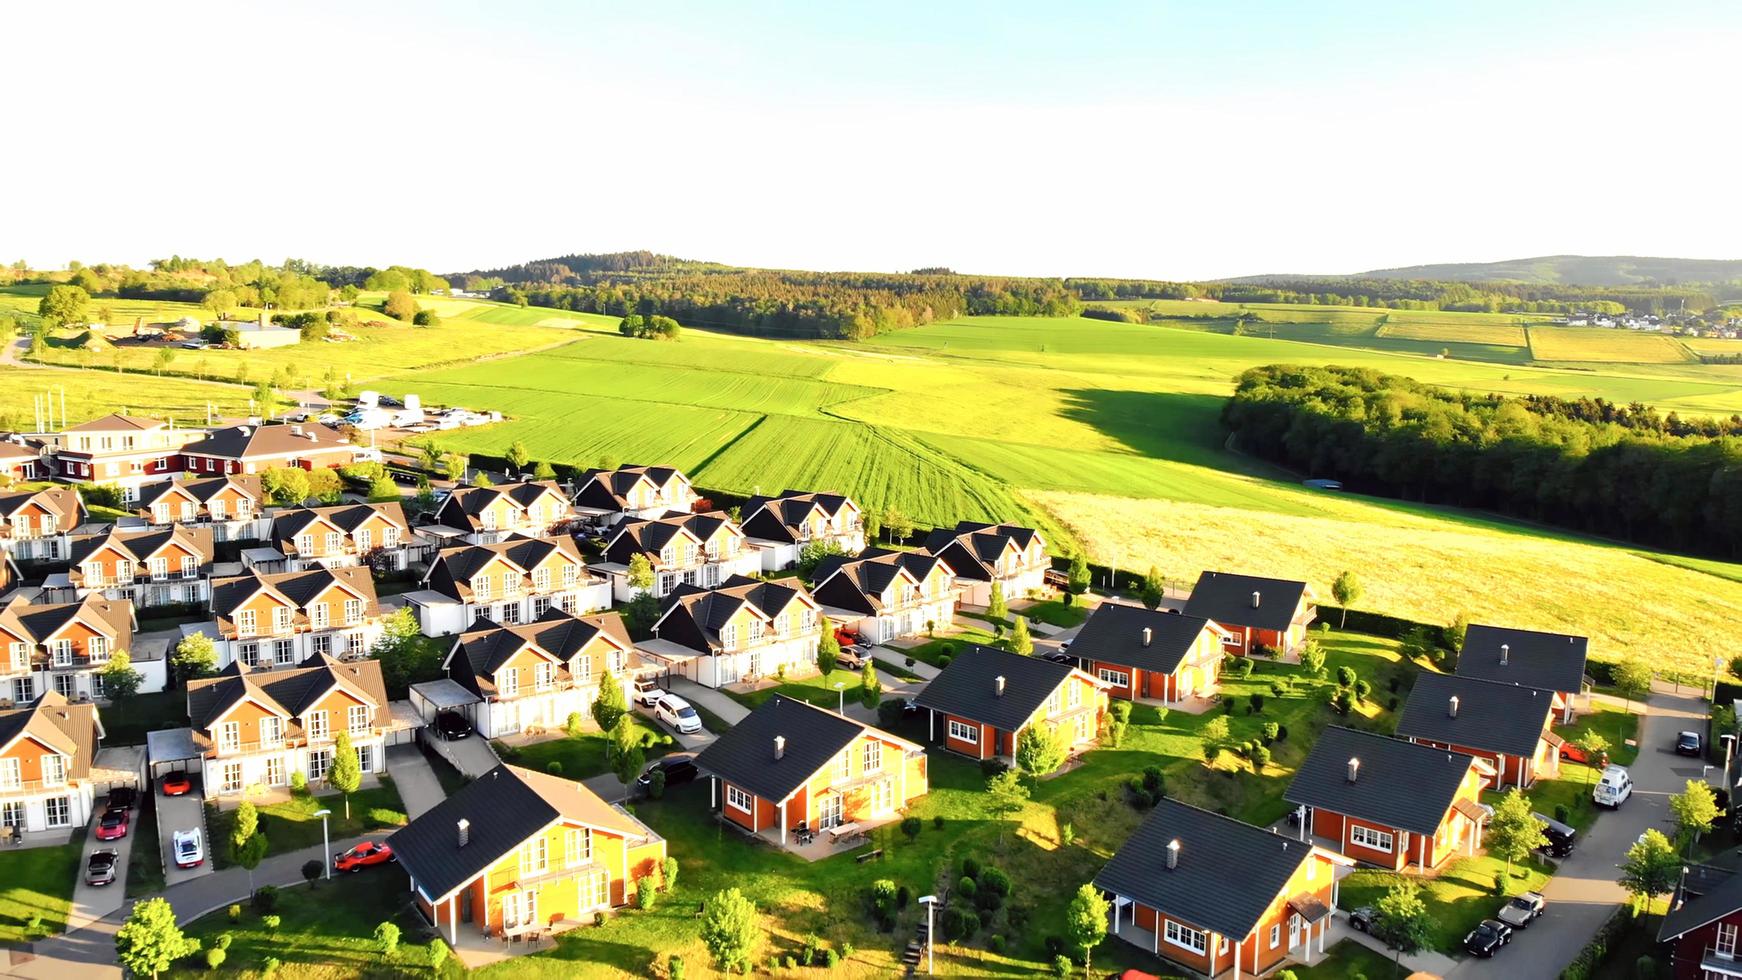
{"x": 519, "y": 909}
{"x": 1293, "y": 931}
{"x": 829, "y": 811}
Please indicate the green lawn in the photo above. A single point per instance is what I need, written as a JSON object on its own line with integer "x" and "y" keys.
{"x": 126, "y": 722}
{"x": 817, "y": 690}
{"x": 292, "y": 824}
{"x": 1618, "y": 726}
{"x": 326, "y": 932}
{"x": 1054, "y": 612}
{"x": 931, "y": 650}
{"x": 36, "y": 881}
{"x": 1347, "y": 960}
{"x": 579, "y": 758}
{"x": 1463, "y": 894}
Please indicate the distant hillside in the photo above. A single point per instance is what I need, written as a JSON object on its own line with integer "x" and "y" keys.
{"x": 1574, "y": 270}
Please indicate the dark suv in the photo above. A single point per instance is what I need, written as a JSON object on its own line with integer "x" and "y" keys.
{"x": 1561, "y": 838}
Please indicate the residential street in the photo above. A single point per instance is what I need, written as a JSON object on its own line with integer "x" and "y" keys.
{"x": 1584, "y": 891}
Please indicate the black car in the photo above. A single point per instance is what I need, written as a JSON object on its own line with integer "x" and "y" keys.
{"x": 1687, "y": 743}
{"x": 122, "y": 798}
{"x": 100, "y": 869}
{"x": 1362, "y": 918}
{"x": 1486, "y": 939}
{"x": 1560, "y": 838}
{"x": 452, "y": 726}
{"x": 677, "y": 769}
{"x": 1061, "y": 657}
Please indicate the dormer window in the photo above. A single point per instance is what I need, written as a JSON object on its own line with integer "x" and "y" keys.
{"x": 160, "y": 513}
{"x": 543, "y": 676}
{"x": 365, "y": 539}
{"x": 217, "y": 508}
{"x": 245, "y": 624}
{"x": 158, "y": 567}
{"x": 319, "y": 615}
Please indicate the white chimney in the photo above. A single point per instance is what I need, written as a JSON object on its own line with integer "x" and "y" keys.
{"x": 998, "y": 684}
{"x": 780, "y": 746}
{"x": 1255, "y": 600}
{"x": 1173, "y": 854}
{"x": 1354, "y": 768}
{"x": 1452, "y": 706}
{"x": 465, "y": 828}
{"x": 1147, "y": 633}
{"x": 1505, "y": 648}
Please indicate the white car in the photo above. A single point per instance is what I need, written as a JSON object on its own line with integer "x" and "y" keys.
{"x": 648, "y": 692}
{"x": 677, "y": 713}
{"x": 1614, "y": 788}
{"x": 188, "y": 851}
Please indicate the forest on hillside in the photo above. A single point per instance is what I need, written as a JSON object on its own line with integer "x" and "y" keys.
{"x": 1585, "y": 464}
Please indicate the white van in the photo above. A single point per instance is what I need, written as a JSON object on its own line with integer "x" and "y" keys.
{"x": 1614, "y": 788}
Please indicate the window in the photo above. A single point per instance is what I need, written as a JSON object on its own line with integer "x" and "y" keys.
{"x": 1725, "y": 944}
{"x": 600, "y": 888}
{"x": 481, "y": 588}
{"x": 190, "y": 566}
{"x": 275, "y": 771}
{"x": 97, "y": 649}
{"x": 961, "y": 731}
{"x": 24, "y": 689}
{"x": 157, "y": 567}
{"x": 541, "y": 579}
{"x": 305, "y": 544}
{"x": 571, "y": 574}
{"x": 280, "y": 619}
{"x": 511, "y": 583}
{"x": 66, "y": 685}
{"x": 389, "y": 537}
{"x": 843, "y": 766}
{"x": 540, "y": 604}
{"x": 230, "y": 735}
{"x": 582, "y": 668}
{"x": 315, "y": 724}
{"x": 59, "y": 810}
{"x": 353, "y": 611}
{"x": 318, "y": 616}
{"x": 160, "y": 513}
{"x": 61, "y": 652}
{"x": 729, "y": 636}
{"x": 284, "y": 652}
{"x": 1367, "y": 837}
{"x": 737, "y": 798}
{"x": 230, "y": 778}
{"x": 489, "y": 520}
{"x": 1055, "y": 702}
{"x": 319, "y": 762}
{"x": 271, "y": 732}
{"x": 1117, "y": 678}
{"x": 543, "y": 676}
{"x": 1186, "y": 937}
{"x": 873, "y": 760}
{"x": 97, "y": 688}
{"x": 577, "y": 845}
{"x": 250, "y": 654}
{"x": 1275, "y": 936}
{"x": 245, "y": 622}
{"x": 535, "y": 856}
{"x": 617, "y": 660}
{"x": 508, "y": 683}
{"x": 365, "y": 539}
{"x": 354, "y": 645}
{"x": 54, "y": 770}
{"x": 10, "y": 774}
{"x": 334, "y": 541}
{"x": 1076, "y": 693}
{"x": 20, "y": 655}
{"x": 217, "y": 508}
{"x": 357, "y": 717}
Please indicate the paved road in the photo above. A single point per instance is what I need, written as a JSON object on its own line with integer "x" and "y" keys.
{"x": 1583, "y": 891}
{"x": 419, "y": 789}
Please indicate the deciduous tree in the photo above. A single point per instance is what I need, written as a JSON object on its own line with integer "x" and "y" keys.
{"x": 610, "y": 706}
{"x": 1651, "y": 868}
{"x": 1086, "y": 923}
{"x": 64, "y": 306}
{"x": 731, "y": 929}
{"x": 150, "y": 942}
{"x": 1512, "y": 832}
{"x": 194, "y": 656}
{"x": 828, "y": 649}
{"x": 1041, "y": 749}
{"x": 1020, "y": 641}
{"x": 346, "y": 773}
{"x": 120, "y": 680}
{"x": 1346, "y": 589}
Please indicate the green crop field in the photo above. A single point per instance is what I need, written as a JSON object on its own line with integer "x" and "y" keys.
{"x": 1597, "y": 345}
{"x": 88, "y": 394}
{"x": 1500, "y": 335}
{"x": 1104, "y": 434}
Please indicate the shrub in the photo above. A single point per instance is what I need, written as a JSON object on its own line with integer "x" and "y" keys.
{"x": 646, "y": 893}
{"x": 1121, "y": 710}
{"x": 1280, "y": 687}
{"x": 831, "y": 959}
{"x": 1067, "y": 834}
{"x": 271, "y": 922}
{"x": 1345, "y": 676}
{"x": 1154, "y": 780}
{"x": 944, "y": 660}
{"x": 994, "y": 880}
{"x": 812, "y": 948}
{"x": 1061, "y": 965}
{"x": 889, "y": 713}
{"x": 1269, "y": 731}
{"x": 1256, "y": 700}
{"x": 1560, "y": 812}
{"x": 215, "y": 958}
{"x": 937, "y": 822}
{"x": 911, "y": 826}
{"x": 960, "y": 923}
{"x": 380, "y": 816}
{"x": 1343, "y": 702}
{"x": 883, "y": 901}
{"x": 298, "y": 782}
{"x": 234, "y": 912}
{"x": 311, "y": 870}
{"x": 1260, "y": 758}
{"x": 966, "y": 887}
{"x": 903, "y": 895}
{"x": 1391, "y": 704}
{"x": 989, "y": 901}
{"x": 269, "y": 966}
{"x": 846, "y": 951}
{"x": 656, "y": 785}
{"x": 674, "y": 967}
{"x": 223, "y": 941}
{"x": 1363, "y": 689}
{"x": 598, "y": 919}
{"x": 1282, "y": 733}
{"x": 387, "y": 935}
{"x": 1114, "y": 734}
{"x": 970, "y": 867}
{"x": 438, "y": 953}
{"x": 790, "y": 962}
{"x": 996, "y": 943}
{"x": 670, "y": 872}
{"x": 554, "y": 767}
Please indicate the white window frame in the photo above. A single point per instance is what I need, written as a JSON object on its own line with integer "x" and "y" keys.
{"x": 1117, "y": 678}
{"x": 245, "y": 622}
{"x": 58, "y": 811}
{"x": 357, "y": 718}
{"x": 739, "y": 799}
{"x": 1275, "y": 935}
{"x": 1373, "y": 840}
{"x": 315, "y": 725}
{"x": 962, "y": 731}
{"x": 1187, "y": 938}
{"x": 508, "y": 683}
{"x": 1724, "y": 941}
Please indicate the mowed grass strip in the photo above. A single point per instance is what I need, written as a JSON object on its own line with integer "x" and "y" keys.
{"x": 1596, "y": 344}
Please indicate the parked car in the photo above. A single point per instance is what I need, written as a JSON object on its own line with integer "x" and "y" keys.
{"x": 112, "y": 825}
{"x": 1486, "y": 939}
{"x": 1561, "y": 838}
{"x": 297, "y": 416}
{"x": 452, "y": 726}
{"x": 846, "y": 636}
{"x": 100, "y": 867}
{"x": 1572, "y": 753}
{"x": 1614, "y": 788}
{"x": 1061, "y": 657}
{"x": 851, "y": 658}
{"x": 363, "y": 855}
{"x": 648, "y": 692}
{"x": 1687, "y": 743}
{"x": 193, "y": 345}
{"x": 177, "y": 784}
{"x": 122, "y": 798}
{"x": 677, "y": 713}
{"x": 1522, "y": 910}
{"x": 1362, "y": 918}
{"x": 677, "y": 769}
{"x": 328, "y": 418}
{"x": 189, "y": 852}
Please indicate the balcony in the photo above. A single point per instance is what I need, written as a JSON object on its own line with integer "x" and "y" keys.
{"x": 251, "y": 746}
{"x": 1721, "y": 963}
{"x": 19, "y": 786}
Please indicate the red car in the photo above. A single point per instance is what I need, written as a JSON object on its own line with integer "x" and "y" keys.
{"x": 846, "y": 637}
{"x": 177, "y": 784}
{"x": 113, "y": 825}
{"x": 363, "y": 855}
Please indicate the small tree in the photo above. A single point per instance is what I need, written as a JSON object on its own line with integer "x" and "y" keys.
{"x": 1633, "y": 680}
{"x": 828, "y": 650}
{"x": 1005, "y": 795}
{"x": 1041, "y": 749}
{"x": 1086, "y": 922}
{"x": 250, "y": 854}
{"x": 311, "y": 871}
{"x": 120, "y": 680}
{"x": 1593, "y": 744}
{"x": 150, "y": 942}
{"x": 382, "y": 489}
{"x": 1456, "y": 630}
{"x": 870, "y": 688}
{"x": 627, "y": 756}
{"x": 1312, "y": 658}
{"x": 542, "y": 470}
{"x": 610, "y": 706}
{"x": 1215, "y": 734}
{"x": 1401, "y": 919}
{"x": 1020, "y": 641}
{"x": 1651, "y": 868}
{"x": 1512, "y": 832}
{"x": 873, "y": 527}
{"x": 731, "y": 930}
{"x": 995, "y": 607}
{"x": 387, "y": 935}
{"x": 896, "y": 525}
{"x": 194, "y": 656}
{"x": 454, "y": 466}
{"x": 1346, "y": 589}
{"x": 518, "y": 457}
{"x": 1695, "y": 810}
{"x": 1077, "y": 579}
{"x": 345, "y": 774}
{"x": 640, "y": 573}
{"x": 400, "y": 305}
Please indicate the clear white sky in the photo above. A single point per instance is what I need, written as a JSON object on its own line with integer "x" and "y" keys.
{"x": 1152, "y": 139}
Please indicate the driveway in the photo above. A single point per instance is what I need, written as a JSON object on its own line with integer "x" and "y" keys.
{"x": 91, "y": 902}
{"x": 728, "y": 710}
{"x": 1583, "y": 891}
{"x": 471, "y": 755}
{"x": 419, "y": 789}
{"x": 181, "y": 813}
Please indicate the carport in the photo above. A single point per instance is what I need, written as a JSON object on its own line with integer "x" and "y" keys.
{"x": 431, "y": 698}
{"x": 171, "y": 750}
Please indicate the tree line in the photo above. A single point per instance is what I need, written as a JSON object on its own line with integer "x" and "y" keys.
{"x": 1585, "y": 464}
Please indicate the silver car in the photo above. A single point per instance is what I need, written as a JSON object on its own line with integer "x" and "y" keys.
{"x": 1522, "y": 910}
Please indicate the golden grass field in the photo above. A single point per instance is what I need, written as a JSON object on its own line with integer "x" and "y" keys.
{"x": 1426, "y": 569}
{"x": 1504, "y": 335}
{"x": 1598, "y": 345}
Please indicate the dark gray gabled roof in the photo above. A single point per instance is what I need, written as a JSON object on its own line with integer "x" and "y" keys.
{"x": 1114, "y": 634}
{"x": 1703, "y": 896}
{"x": 1228, "y": 873}
{"x": 744, "y": 755}
{"x": 1227, "y": 598}
{"x": 502, "y": 808}
{"x": 1555, "y": 661}
{"x": 968, "y": 687}
{"x": 1397, "y": 783}
{"x": 1492, "y": 717}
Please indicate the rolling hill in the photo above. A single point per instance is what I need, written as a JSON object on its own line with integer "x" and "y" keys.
{"x": 1573, "y": 270}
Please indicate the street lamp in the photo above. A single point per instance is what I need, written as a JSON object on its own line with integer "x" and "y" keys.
{"x": 841, "y": 691}
{"x": 325, "y": 845}
{"x": 930, "y": 902}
